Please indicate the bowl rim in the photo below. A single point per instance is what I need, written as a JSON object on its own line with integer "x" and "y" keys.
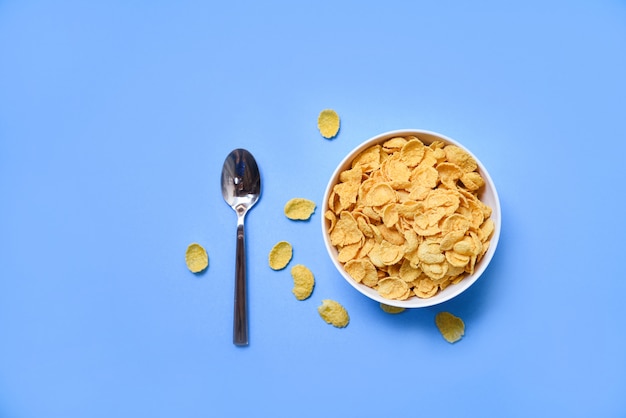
{"x": 451, "y": 291}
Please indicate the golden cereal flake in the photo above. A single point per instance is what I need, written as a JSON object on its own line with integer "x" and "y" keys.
{"x": 425, "y": 288}
{"x": 394, "y": 144}
{"x": 472, "y": 181}
{"x": 393, "y": 288}
{"x": 362, "y": 271}
{"x": 346, "y": 230}
{"x": 451, "y": 327}
{"x": 391, "y": 309}
{"x": 303, "y": 282}
{"x": 328, "y": 123}
{"x": 461, "y": 158}
{"x": 196, "y": 258}
{"x": 380, "y": 194}
{"x": 412, "y": 152}
{"x": 280, "y": 255}
{"x": 299, "y": 209}
{"x": 333, "y": 313}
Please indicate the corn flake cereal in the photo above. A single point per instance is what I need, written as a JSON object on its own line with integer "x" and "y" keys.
{"x": 303, "y": 282}
{"x": 280, "y": 255}
{"x": 451, "y": 327}
{"x": 363, "y": 271}
{"x": 328, "y": 123}
{"x": 333, "y": 313}
{"x": 196, "y": 258}
{"x": 394, "y": 288}
{"x": 391, "y": 309}
{"x": 299, "y": 209}
{"x": 406, "y": 217}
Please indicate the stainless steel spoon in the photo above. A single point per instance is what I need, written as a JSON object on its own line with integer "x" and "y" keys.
{"x": 241, "y": 188}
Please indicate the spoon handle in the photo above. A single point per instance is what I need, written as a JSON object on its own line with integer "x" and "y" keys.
{"x": 240, "y": 325}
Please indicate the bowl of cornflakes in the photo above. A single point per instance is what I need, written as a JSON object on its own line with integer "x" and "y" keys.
{"x": 411, "y": 218}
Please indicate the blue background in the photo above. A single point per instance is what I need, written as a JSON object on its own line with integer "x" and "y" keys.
{"x": 116, "y": 117}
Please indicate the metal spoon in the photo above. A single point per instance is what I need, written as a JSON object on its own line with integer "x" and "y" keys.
{"x": 241, "y": 188}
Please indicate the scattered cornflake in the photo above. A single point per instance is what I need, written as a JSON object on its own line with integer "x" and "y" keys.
{"x": 328, "y": 123}
{"x": 299, "y": 209}
{"x": 333, "y": 313}
{"x": 451, "y": 327}
{"x": 303, "y": 281}
{"x": 391, "y": 309}
{"x": 196, "y": 258}
{"x": 280, "y": 255}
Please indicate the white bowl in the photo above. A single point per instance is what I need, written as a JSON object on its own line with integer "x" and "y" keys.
{"x": 488, "y": 195}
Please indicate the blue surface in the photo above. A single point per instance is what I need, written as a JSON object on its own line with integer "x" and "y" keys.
{"x": 116, "y": 117}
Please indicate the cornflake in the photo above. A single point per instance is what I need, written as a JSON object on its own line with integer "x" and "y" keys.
{"x": 452, "y": 327}
{"x": 303, "y": 282}
{"x": 391, "y": 309}
{"x": 333, "y": 313}
{"x": 196, "y": 258}
{"x": 406, "y": 218}
{"x": 299, "y": 209}
{"x": 328, "y": 123}
{"x": 280, "y": 255}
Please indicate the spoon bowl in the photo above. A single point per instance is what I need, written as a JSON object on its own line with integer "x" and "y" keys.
{"x": 241, "y": 188}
